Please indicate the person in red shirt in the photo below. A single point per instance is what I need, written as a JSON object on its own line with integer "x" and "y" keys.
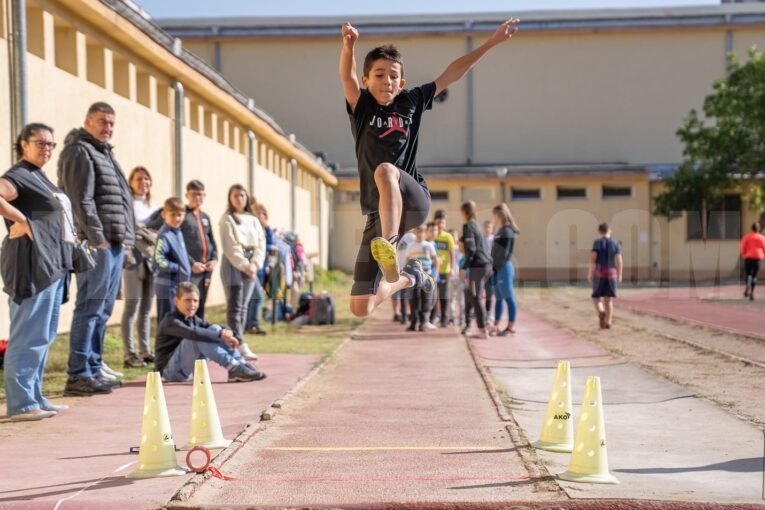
{"x": 753, "y": 251}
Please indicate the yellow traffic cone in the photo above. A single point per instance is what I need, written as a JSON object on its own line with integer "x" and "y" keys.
{"x": 589, "y": 460}
{"x": 156, "y": 456}
{"x": 558, "y": 428}
{"x": 205, "y": 429}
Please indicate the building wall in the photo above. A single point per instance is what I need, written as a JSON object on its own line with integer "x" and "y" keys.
{"x": 546, "y": 97}
{"x": 82, "y": 52}
{"x": 542, "y": 97}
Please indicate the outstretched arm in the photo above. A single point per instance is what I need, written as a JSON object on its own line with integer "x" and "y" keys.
{"x": 348, "y": 78}
{"x": 457, "y": 69}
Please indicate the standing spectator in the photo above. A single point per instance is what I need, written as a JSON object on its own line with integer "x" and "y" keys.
{"x": 198, "y": 236}
{"x": 421, "y": 301}
{"x": 170, "y": 256}
{"x": 255, "y": 305}
{"x": 753, "y": 251}
{"x": 605, "y": 272}
{"x": 504, "y": 271}
{"x": 477, "y": 264}
{"x": 444, "y": 243}
{"x": 244, "y": 244}
{"x": 456, "y": 292}
{"x": 138, "y": 276}
{"x": 488, "y": 236}
{"x": 103, "y": 206}
{"x": 37, "y": 257}
{"x": 400, "y": 298}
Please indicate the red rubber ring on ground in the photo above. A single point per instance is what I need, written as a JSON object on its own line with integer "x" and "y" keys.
{"x": 198, "y": 469}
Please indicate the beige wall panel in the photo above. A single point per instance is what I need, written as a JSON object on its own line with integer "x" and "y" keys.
{"x": 201, "y": 49}
{"x": 275, "y": 194}
{"x": 305, "y": 94}
{"x": 5, "y": 158}
{"x": 743, "y": 39}
{"x": 580, "y": 97}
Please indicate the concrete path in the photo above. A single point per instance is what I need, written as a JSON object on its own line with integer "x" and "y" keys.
{"x": 664, "y": 443}
{"x": 79, "y": 459}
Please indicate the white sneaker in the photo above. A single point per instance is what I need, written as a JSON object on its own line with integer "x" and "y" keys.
{"x": 429, "y": 326}
{"x": 107, "y": 371}
{"x": 108, "y": 376}
{"x": 246, "y": 353}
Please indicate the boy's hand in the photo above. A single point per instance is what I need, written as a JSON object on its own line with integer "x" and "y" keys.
{"x": 506, "y": 30}
{"x": 350, "y": 34}
{"x": 228, "y": 337}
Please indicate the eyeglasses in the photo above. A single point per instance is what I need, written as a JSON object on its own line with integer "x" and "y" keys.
{"x": 40, "y": 144}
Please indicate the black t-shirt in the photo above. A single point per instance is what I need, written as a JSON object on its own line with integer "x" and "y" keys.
{"x": 388, "y": 134}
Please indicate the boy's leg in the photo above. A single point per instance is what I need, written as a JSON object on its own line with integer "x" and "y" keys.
{"x": 180, "y": 366}
{"x": 367, "y": 293}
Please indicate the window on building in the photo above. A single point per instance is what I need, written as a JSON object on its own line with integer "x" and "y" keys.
{"x": 525, "y": 193}
{"x": 724, "y": 223}
{"x": 565, "y": 192}
{"x": 439, "y": 196}
{"x": 617, "y": 191}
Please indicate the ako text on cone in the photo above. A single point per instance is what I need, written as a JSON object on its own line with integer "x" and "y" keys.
{"x": 205, "y": 429}
{"x": 156, "y": 456}
{"x": 558, "y": 428}
{"x": 589, "y": 459}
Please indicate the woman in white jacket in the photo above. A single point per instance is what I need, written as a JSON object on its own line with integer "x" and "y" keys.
{"x": 244, "y": 249}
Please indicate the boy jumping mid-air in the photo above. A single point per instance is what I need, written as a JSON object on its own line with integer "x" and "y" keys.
{"x": 385, "y": 121}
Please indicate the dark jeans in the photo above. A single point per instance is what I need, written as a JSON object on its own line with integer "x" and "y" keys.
{"x": 478, "y": 276}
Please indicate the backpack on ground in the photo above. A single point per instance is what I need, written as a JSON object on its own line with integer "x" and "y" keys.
{"x": 322, "y": 310}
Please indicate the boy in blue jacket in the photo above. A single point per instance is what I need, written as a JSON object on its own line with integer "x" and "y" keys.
{"x": 170, "y": 257}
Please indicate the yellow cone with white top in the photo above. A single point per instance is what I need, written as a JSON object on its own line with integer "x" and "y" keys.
{"x": 156, "y": 456}
{"x": 558, "y": 428}
{"x": 589, "y": 459}
{"x": 205, "y": 429}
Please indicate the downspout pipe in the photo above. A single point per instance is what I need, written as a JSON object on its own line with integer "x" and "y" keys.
{"x": 17, "y": 42}
{"x": 470, "y": 117}
{"x": 178, "y": 126}
{"x": 252, "y": 147}
{"x": 293, "y": 187}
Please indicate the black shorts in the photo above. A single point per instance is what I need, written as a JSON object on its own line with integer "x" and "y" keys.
{"x": 604, "y": 287}
{"x": 751, "y": 267}
{"x": 416, "y": 206}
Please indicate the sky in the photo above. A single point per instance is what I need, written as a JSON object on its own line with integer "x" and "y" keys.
{"x": 226, "y": 8}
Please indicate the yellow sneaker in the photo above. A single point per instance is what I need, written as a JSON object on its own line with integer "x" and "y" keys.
{"x": 385, "y": 255}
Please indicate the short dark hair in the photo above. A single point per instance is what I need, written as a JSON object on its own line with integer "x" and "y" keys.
{"x": 186, "y": 288}
{"x": 439, "y": 214}
{"x": 174, "y": 204}
{"x": 603, "y": 228}
{"x": 27, "y": 132}
{"x": 388, "y": 52}
{"x": 100, "y": 107}
{"x": 756, "y": 226}
{"x": 195, "y": 185}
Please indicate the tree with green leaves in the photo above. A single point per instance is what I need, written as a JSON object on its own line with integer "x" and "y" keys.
{"x": 724, "y": 151}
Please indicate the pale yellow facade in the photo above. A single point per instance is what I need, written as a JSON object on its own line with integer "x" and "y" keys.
{"x": 573, "y": 92}
{"x": 82, "y": 52}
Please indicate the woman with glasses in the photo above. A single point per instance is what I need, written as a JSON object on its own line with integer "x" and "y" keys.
{"x": 37, "y": 258}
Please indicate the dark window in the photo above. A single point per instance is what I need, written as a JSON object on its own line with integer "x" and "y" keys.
{"x": 617, "y": 191}
{"x": 525, "y": 194}
{"x": 721, "y": 224}
{"x": 439, "y": 196}
{"x": 564, "y": 192}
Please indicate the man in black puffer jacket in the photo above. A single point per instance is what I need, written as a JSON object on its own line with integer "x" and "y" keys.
{"x": 102, "y": 205}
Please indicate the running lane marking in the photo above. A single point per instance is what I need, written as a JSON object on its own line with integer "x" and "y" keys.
{"x": 377, "y": 448}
